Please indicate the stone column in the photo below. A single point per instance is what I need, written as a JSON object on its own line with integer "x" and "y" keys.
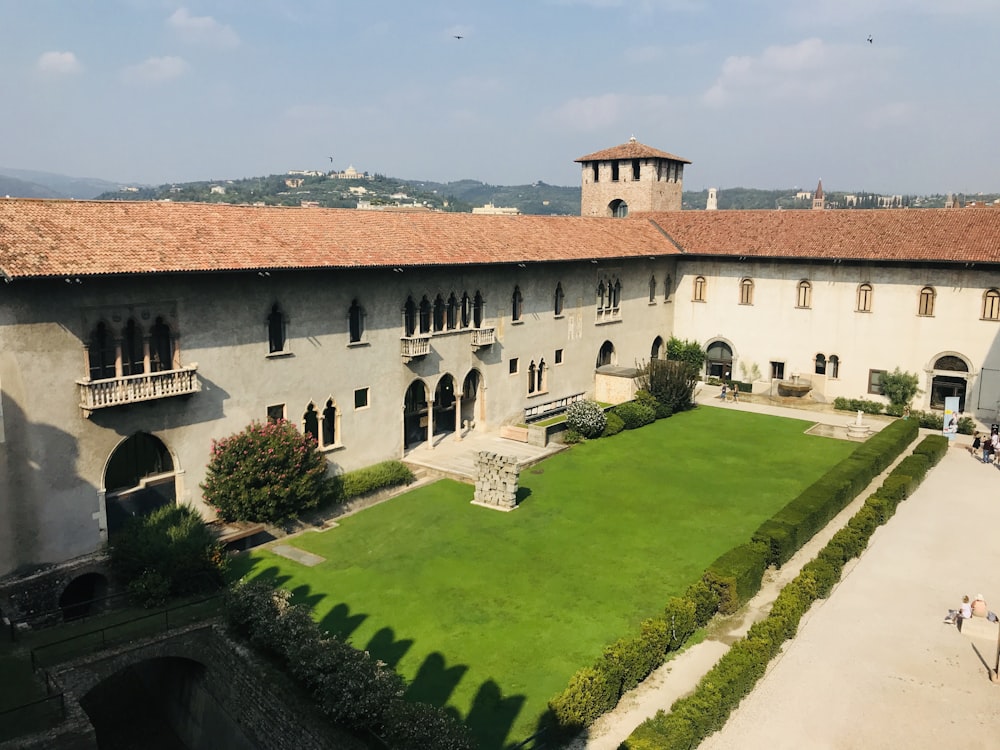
{"x": 458, "y": 417}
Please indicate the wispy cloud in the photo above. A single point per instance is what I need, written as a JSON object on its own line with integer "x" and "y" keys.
{"x": 809, "y": 70}
{"x": 594, "y": 113}
{"x": 156, "y": 70}
{"x": 59, "y": 63}
{"x": 202, "y": 29}
{"x": 640, "y": 5}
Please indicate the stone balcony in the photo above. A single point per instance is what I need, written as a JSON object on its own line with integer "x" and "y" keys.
{"x": 131, "y": 389}
{"x": 412, "y": 347}
{"x": 483, "y": 337}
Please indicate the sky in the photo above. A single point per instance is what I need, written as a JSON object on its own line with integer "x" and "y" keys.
{"x": 755, "y": 93}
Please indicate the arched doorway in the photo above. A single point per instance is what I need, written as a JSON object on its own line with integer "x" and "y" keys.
{"x": 719, "y": 360}
{"x": 138, "y": 479}
{"x": 78, "y": 598}
{"x": 444, "y": 405}
{"x": 606, "y": 355}
{"x": 415, "y": 414}
{"x": 471, "y": 404}
{"x": 658, "y": 350}
{"x": 950, "y": 377}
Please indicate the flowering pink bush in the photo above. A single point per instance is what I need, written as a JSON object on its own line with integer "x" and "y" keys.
{"x": 269, "y": 472}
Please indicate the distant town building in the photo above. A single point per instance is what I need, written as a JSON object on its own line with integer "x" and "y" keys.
{"x": 294, "y": 182}
{"x": 630, "y": 177}
{"x": 803, "y": 195}
{"x": 217, "y": 190}
{"x": 348, "y": 174}
{"x": 818, "y": 201}
{"x": 492, "y": 210}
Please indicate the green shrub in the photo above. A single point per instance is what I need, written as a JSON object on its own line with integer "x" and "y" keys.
{"x": 614, "y": 425}
{"x": 915, "y": 465}
{"x": 269, "y": 472}
{"x": 590, "y": 693}
{"x": 586, "y": 417}
{"x": 704, "y": 599}
{"x": 413, "y": 725}
{"x": 664, "y": 410}
{"x": 934, "y": 447}
{"x": 369, "y": 479}
{"x": 634, "y": 414}
{"x": 858, "y": 404}
{"x": 168, "y": 552}
{"x": 645, "y": 398}
{"x": 966, "y": 425}
{"x": 736, "y": 575}
{"x": 670, "y": 381}
{"x": 929, "y": 420}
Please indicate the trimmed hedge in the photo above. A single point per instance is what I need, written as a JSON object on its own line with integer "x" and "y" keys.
{"x": 369, "y": 479}
{"x": 704, "y": 711}
{"x": 613, "y": 426}
{"x": 635, "y": 414}
{"x": 735, "y": 576}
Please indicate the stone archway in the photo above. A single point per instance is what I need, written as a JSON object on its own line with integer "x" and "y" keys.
{"x": 139, "y": 477}
{"x": 949, "y": 375}
{"x": 658, "y": 350}
{"x": 445, "y": 411}
{"x": 471, "y": 402}
{"x": 719, "y": 360}
{"x": 416, "y": 414}
{"x": 606, "y": 355}
{"x": 82, "y": 596}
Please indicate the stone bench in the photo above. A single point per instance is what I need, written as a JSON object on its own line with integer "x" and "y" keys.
{"x": 511, "y": 432}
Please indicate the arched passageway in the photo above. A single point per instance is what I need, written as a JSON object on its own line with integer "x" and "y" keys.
{"x": 78, "y": 598}
{"x": 415, "y": 414}
{"x": 719, "y": 360}
{"x": 444, "y": 406}
{"x": 138, "y": 479}
{"x": 950, "y": 378}
{"x": 472, "y": 406}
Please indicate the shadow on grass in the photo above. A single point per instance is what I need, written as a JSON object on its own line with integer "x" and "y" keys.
{"x": 383, "y": 645}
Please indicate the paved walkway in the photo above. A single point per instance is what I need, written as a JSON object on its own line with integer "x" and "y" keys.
{"x": 457, "y": 458}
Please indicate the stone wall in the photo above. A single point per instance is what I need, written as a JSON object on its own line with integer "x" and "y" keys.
{"x": 496, "y": 480}
{"x": 34, "y": 599}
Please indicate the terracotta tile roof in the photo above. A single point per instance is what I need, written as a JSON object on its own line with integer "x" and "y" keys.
{"x": 75, "y": 238}
{"x": 886, "y": 235}
{"x": 631, "y": 150}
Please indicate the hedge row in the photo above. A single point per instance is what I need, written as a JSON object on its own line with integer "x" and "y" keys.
{"x": 726, "y": 584}
{"x": 353, "y": 484}
{"x": 791, "y": 527}
{"x": 706, "y": 710}
{"x": 931, "y": 420}
{"x": 352, "y": 688}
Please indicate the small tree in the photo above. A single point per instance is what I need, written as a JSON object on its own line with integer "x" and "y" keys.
{"x": 900, "y": 387}
{"x": 686, "y": 351}
{"x": 671, "y": 382}
{"x": 269, "y": 472}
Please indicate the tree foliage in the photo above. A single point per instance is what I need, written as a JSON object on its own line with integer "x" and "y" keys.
{"x": 686, "y": 351}
{"x": 900, "y": 387}
{"x": 586, "y": 418}
{"x": 671, "y": 382}
{"x": 269, "y": 472}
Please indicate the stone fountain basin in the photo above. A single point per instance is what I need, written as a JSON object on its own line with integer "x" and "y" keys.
{"x": 797, "y": 390}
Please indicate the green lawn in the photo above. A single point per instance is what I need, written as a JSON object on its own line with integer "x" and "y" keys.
{"x": 492, "y": 612}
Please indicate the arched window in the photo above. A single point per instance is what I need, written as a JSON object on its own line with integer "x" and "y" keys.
{"x": 833, "y": 367}
{"x": 425, "y": 315}
{"x": 926, "y": 304}
{"x": 746, "y": 292}
{"x": 652, "y": 289}
{"x": 991, "y": 304}
{"x": 331, "y": 424}
{"x": 355, "y": 322}
{"x": 616, "y": 296}
{"x": 275, "y": 329}
{"x": 699, "y": 289}
{"x": 606, "y": 355}
{"x": 558, "y": 306}
{"x": 161, "y": 345}
{"x": 452, "y": 314}
{"x": 602, "y": 292}
{"x": 133, "y": 350}
{"x": 531, "y": 377}
{"x": 439, "y": 313}
{"x": 820, "y": 364}
{"x": 310, "y": 422}
{"x": 466, "y": 309}
{"x": 409, "y": 316}
{"x": 667, "y": 283}
{"x": 657, "y": 350}
{"x": 619, "y": 209}
{"x": 516, "y": 304}
{"x": 865, "y": 292}
{"x": 804, "y": 294}
{"x": 101, "y": 352}
{"x": 541, "y": 376}
{"x": 478, "y": 305}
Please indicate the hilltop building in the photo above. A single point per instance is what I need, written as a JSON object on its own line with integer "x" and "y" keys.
{"x": 133, "y": 334}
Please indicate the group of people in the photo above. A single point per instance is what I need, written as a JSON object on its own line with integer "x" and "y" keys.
{"x": 968, "y": 609}
{"x": 726, "y": 390}
{"x": 987, "y": 445}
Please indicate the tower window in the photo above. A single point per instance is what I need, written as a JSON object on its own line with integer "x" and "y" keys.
{"x": 635, "y": 170}
{"x": 614, "y": 171}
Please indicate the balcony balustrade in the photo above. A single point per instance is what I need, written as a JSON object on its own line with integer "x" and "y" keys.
{"x": 131, "y": 389}
{"x": 483, "y": 337}
{"x": 414, "y": 346}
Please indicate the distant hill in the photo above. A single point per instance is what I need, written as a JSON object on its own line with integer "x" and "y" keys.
{"x": 26, "y": 183}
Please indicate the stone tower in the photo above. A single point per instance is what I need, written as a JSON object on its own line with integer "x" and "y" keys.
{"x": 819, "y": 202}
{"x": 713, "y": 200}
{"x": 629, "y": 178}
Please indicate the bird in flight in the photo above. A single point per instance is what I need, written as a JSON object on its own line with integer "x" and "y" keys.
{"x": 331, "y": 159}
{"x": 458, "y": 36}
{"x": 870, "y": 40}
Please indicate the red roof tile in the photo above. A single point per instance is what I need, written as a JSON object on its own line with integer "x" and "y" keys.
{"x": 631, "y": 150}
{"x": 886, "y": 235}
{"x": 64, "y": 238}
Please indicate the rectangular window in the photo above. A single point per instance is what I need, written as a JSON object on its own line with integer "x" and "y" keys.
{"x": 559, "y": 356}
{"x": 361, "y": 398}
{"x": 512, "y": 365}
{"x": 777, "y": 371}
{"x": 875, "y": 381}
{"x": 275, "y": 413}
